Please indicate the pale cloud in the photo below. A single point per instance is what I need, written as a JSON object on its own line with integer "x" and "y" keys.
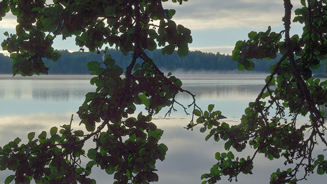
{"x": 213, "y": 14}
{"x": 214, "y": 49}
{"x": 203, "y": 15}
{"x": 8, "y": 22}
{"x": 4, "y": 52}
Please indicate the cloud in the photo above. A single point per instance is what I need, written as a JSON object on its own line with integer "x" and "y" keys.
{"x": 214, "y": 49}
{"x": 213, "y": 14}
{"x": 8, "y": 22}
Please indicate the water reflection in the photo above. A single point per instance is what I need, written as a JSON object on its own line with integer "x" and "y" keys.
{"x": 63, "y": 90}
{"x": 36, "y": 105}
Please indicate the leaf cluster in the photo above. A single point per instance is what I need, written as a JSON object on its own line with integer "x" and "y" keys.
{"x": 270, "y": 124}
{"x": 124, "y": 144}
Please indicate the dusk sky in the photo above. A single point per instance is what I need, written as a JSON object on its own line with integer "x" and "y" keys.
{"x": 216, "y": 25}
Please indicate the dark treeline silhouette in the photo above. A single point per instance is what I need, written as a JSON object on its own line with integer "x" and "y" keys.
{"x": 76, "y": 62}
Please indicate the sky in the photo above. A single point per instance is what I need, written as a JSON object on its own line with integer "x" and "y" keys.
{"x": 216, "y": 25}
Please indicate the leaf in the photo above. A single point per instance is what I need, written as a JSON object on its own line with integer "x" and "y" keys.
{"x": 151, "y": 44}
{"x": 169, "y": 49}
{"x": 144, "y": 100}
{"x": 217, "y": 156}
{"x": 230, "y": 155}
{"x": 53, "y": 131}
{"x": 30, "y": 135}
{"x": 320, "y": 171}
{"x": 109, "y": 61}
{"x": 152, "y": 177}
{"x": 197, "y": 112}
{"x": 93, "y": 66}
{"x": 210, "y": 107}
{"x": 203, "y": 129}
{"x": 43, "y": 135}
{"x": 9, "y": 179}
{"x": 321, "y": 157}
{"x": 183, "y": 49}
{"x": 204, "y": 176}
{"x": 163, "y": 147}
{"x": 17, "y": 140}
{"x": 93, "y": 80}
{"x": 92, "y": 153}
{"x": 79, "y": 132}
{"x": 171, "y": 13}
{"x": 36, "y": 9}
{"x": 210, "y": 134}
{"x": 240, "y": 67}
{"x": 228, "y": 145}
{"x": 252, "y": 35}
{"x": 206, "y": 114}
{"x": 110, "y": 169}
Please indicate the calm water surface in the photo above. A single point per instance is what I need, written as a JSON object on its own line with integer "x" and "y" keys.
{"x": 38, "y": 103}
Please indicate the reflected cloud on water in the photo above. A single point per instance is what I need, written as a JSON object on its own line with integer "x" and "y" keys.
{"x": 37, "y": 105}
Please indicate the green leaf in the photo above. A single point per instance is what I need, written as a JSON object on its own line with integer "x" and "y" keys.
{"x": 321, "y": 157}
{"x": 228, "y": 145}
{"x": 93, "y": 66}
{"x": 230, "y": 155}
{"x": 320, "y": 170}
{"x": 252, "y": 35}
{"x": 9, "y": 179}
{"x": 144, "y": 100}
{"x": 36, "y": 9}
{"x": 171, "y": 13}
{"x": 152, "y": 177}
{"x": 110, "y": 169}
{"x": 217, "y": 156}
{"x": 90, "y": 164}
{"x": 93, "y": 80}
{"x": 43, "y": 135}
{"x": 53, "y": 131}
{"x": 79, "y": 132}
{"x": 210, "y": 134}
{"x": 210, "y": 107}
{"x": 203, "y": 129}
{"x": 109, "y": 61}
{"x": 169, "y": 49}
{"x": 151, "y": 44}
{"x": 163, "y": 147}
{"x": 183, "y": 49}
{"x": 197, "y": 112}
{"x": 92, "y": 153}
{"x": 240, "y": 67}
{"x": 206, "y": 114}
{"x": 30, "y": 135}
{"x": 204, "y": 176}
{"x": 17, "y": 140}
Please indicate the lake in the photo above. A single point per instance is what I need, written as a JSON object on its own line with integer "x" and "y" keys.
{"x": 37, "y": 103}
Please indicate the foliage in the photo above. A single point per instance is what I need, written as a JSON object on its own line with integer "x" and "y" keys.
{"x": 270, "y": 124}
{"x": 125, "y": 145}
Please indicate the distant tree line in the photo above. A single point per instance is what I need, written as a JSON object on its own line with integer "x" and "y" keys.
{"x": 76, "y": 62}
